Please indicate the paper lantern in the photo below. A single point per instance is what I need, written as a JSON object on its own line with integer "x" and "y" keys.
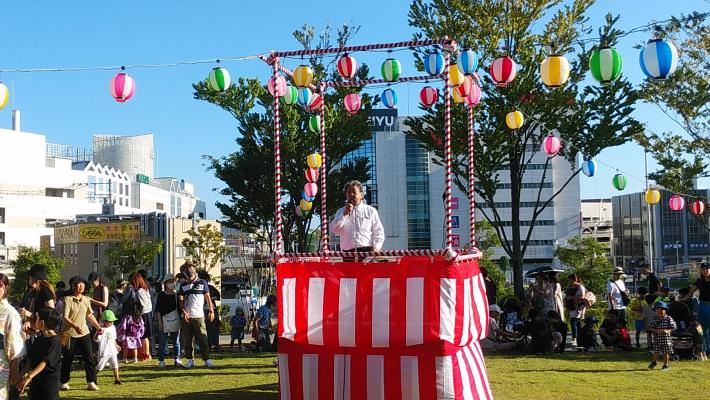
{"x": 316, "y": 103}
{"x": 298, "y": 211}
{"x": 306, "y": 197}
{"x": 428, "y": 96}
{"x": 467, "y": 61}
{"x": 619, "y": 182}
{"x": 122, "y": 87}
{"x": 389, "y": 98}
{"x": 554, "y": 71}
{"x": 515, "y": 120}
{"x": 391, "y": 69}
{"x": 474, "y": 96}
{"x": 456, "y": 76}
{"x": 659, "y": 59}
{"x": 305, "y": 96}
{"x": 311, "y": 175}
{"x": 434, "y": 63}
{"x": 457, "y": 97}
{"x": 697, "y": 207}
{"x": 605, "y": 64}
{"x": 552, "y": 145}
{"x": 290, "y": 95}
{"x": 313, "y": 160}
{"x": 676, "y": 203}
{"x": 652, "y": 196}
{"x": 311, "y": 189}
{"x": 503, "y": 71}
{"x": 219, "y": 79}
{"x": 303, "y": 75}
{"x": 589, "y": 167}
{"x": 306, "y": 205}
{"x": 347, "y": 67}
{"x": 279, "y": 83}
{"x": 352, "y": 103}
{"x": 4, "y": 95}
{"x": 314, "y": 123}
{"x": 465, "y": 87}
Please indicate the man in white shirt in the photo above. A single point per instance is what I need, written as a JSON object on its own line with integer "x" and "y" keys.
{"x": 358, "y": 224}
{"x": 614, "y": 288}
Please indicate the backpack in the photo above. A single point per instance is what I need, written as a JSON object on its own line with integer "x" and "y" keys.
{"x": 589, "y": 298}
{"x": 114, "y": 305}
{"x": 131, "y": 303}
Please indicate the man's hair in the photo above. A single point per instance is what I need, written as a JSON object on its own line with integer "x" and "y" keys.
{"x": 50, "y": 316}
{"x": 353, "y": 183}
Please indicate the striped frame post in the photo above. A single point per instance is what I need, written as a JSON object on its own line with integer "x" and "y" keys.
{"x": 277, "y": 162}
{"x": 471, "y": 179}
{"x": 323, "y": 174}
{"x": 447, "y": 152}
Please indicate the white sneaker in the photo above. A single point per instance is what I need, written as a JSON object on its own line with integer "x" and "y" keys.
{"x": 178, "y": 362}
{"x": 92, "y": 386}
{"x": 161, "y": 364}
{"x": 574, "y": 342}
{"x": 64, "y": 386}
{"x": 190, "y": 364}
{"x": 209, "y": 364}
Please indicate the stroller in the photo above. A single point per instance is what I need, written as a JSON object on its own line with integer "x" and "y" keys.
{"x": 687, "y": 339}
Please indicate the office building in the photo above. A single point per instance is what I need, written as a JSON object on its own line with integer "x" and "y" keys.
{"x": 597, "y": 217}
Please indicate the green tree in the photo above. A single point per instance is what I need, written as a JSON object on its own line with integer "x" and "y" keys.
{"x": 595, "y": 117}
{"x": 587, "y": 259}
{"x": 20, "y": 266}
{"x": 248, "y": 173}
{"x": 127, "y": 256}
{"x": 205, "y": 246}
{"x": 487, "y": 240}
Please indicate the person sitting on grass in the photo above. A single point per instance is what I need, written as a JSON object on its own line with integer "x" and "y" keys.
{"x": 497, "y": 339}
{"x": 540, "y": 331}
{"x": 238, "y": 323}
{"x": 661, "y": 326}
{"x": 108, "y": 348}
{"x": 636, "y": 311}
{"x": 587, "y": 338}
{"x": 42, "y": 370}
{"x": 559, "y": 331}
{"x": 609, "y": 329}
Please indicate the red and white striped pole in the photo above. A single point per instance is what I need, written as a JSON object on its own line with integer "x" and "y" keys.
{"x": 277, "y": 162}
{"x": 471, "y": 180}
{"x": 323, "y": 175}
{"x": 447, "y": 152}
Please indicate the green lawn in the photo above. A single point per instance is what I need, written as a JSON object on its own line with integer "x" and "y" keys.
{"x": 566, "y": 377}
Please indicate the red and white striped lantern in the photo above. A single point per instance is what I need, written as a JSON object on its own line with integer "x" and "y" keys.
{"x": 316, "y": 103}
{"x": 474, "y": 96}
{"x": 552, "y": 145}
{"x": 311, "y": 189}
{"x": 347, "y": 67}
{"x": 122, "y": 87}
{"x": 676, "y": 203}
{"x": 311, "y": 175}
{"x": 352, "y": 103}
{"x": 697, "y": 207}
{"x": 503, "y": 71}
{"x": 428, "y": 96}
{"x": 464, "y": 88}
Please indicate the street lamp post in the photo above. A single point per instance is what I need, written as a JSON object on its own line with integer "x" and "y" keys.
{"x": 677, "y": 258}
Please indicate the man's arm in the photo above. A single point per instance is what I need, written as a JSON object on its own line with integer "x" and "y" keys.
{"x": 208, "y": 301}
{"x": 378, "y": 232}
{"x": 338, "y": 223}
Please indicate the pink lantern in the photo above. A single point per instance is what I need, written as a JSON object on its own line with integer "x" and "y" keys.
{"x": 428, "y": 96}
{"x": 311, "y": 175}
{"x": 352, "y": 103}
{"x": 552, "y": 145}
{"x": 347, "y": 67}
{"x": 697, "y": 207}
{"x": 474, "y": 96}
{"x": 280, "y": 84}
{"x": 122, "y": 87}
{"x": 676, "y": 203}
{"x": 311, "y": 189}
{"x": 299, "y": 212}
{"x": 464, "y": 88}
{"x": 316, "y": 103}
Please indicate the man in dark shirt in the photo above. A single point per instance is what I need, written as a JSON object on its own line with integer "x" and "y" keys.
{"x": 654, "y": 284}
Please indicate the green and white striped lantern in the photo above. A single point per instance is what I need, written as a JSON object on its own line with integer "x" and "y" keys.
{"x": 605, "y": 64}
{"x": 219, "y": 79}
{"x": 619, "y": 182}
{"x": 314, "y": 123}
{"x": 391, "y": 69}
{"x": 290, "y": 95}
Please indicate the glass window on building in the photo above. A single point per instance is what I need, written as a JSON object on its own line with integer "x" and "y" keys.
{"x": 2, "y": 215}
{"x": 96, "y": 250}
{"x": 418, "y": 225}
{"x": 368, "y": 151}
{"x": 2, "y": 238}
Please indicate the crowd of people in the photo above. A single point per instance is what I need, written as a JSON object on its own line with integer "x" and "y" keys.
{"x": 674, "y": 326}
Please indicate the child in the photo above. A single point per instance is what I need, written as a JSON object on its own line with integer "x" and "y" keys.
{"x": 108, "y": 349}
{"x": 587, "y": 338}
{"x": 636, "y": 308}
{"x": 44, "y": 358}
{"x": 609, "y": 329}
{"x": 661, "y": 326}
{"x": 130, "y": 331}
{"x": 238, "y": 322}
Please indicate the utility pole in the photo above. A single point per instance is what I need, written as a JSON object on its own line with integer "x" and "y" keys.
{"x": 648, "y": 215}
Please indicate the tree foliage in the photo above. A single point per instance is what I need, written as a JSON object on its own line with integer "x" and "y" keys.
{"x": 128, "y": 256}
{"x": 487, "y": 239}
{"x": 204, "y": 246}
{"x": 20, "y": 266}
{"x": 248, "y": 172}
{"x": 587, "y": 259}
{"x": 588, "y": 118}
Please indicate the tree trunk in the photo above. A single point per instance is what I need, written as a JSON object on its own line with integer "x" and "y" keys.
{"x": 516, "y": 256}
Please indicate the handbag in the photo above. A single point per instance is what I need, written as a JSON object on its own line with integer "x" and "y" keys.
{"x": 171, "y": 320}
{"x": 624, "y": 297}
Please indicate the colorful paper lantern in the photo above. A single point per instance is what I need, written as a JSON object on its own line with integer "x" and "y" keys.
{"x": 303, "y": 75}
{"x": 697, "y": 207}
{"x": 280, "y": 83}
{"x": 465, "y": 87}
{"x": 313, "y": 160}
{"x": 652, "y": 196}
{"x": 306, "y": 197}
{"x": 503, "y": 71}
{"x": 589, "y": 167}
{"x": 474, "y": 96}
{"x": 554, "y": 71}
{"x": 659, "y": 59}
{"x": 389, "y": 98}
{"x": 552, "y": 145}
{"x": 122, "y": 87}
{"x": 456, "y": 77}
{"x": 352, "y": 103}
{"x": 311, "y": 175}
{"x": 434, "y": 63}
{"x": 619, "y": 182}
{"x": 4, "y": 95}
{"x": 391, "y": 69}
{"x": 298, "y": 211}
{"x": 306, "y": 205}
{"x": 605, "y": 64}
{"x": 311, "y": 189}
{"x": 676, "y": 203}
{"x": 347, "y": 67}
{"x": 290, "y": 95}
{"x": 316, "y": 103}
{"x": 457, "y": 97}
{"x": 515, "y": 120}
{"x": 305, "y": 96}
{"x": 219, "y": 79}
{"x": 314, "y": 123}
{"x": 428, "y": 96}
{"x": 467, "y": 61}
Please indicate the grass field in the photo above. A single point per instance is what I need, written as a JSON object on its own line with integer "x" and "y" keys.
{"x": 569, "y": 376}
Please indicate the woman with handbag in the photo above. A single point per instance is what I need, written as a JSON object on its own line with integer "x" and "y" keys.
{"x": 168, "y": 320}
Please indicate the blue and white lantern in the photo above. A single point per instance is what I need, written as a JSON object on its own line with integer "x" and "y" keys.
{"x": 589, "y": 167}
{"x": 467, "y": 62}
{"x": 434, "y": 63}
{"x": 659, "y": 59}
{"x": 389, "y": 98}
{"x": 306, "y": 197}
{"x": 305, "y": 96}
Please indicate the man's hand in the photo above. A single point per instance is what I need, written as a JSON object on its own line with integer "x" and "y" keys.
{"x": 23, "y": 384}
{"x": 348, "y": 207}
{"x": 210, "y": 315}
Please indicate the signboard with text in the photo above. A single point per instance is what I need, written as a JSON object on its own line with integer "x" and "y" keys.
{"x": 456, "y": 240}
{"x": 89, "y": 233}
{"x": 455, "y": 203}
{"x": 454, "y": 221}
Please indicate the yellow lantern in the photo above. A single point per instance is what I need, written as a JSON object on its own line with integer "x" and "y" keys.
{"x": 652, "y": 196}
{"x": 303, "y": 75}
{"x": 457, "y": 96}
{"x": 314, "y": 161}
{"x": 4, "y": 95}
{"x": 554, "y": 71}
{"x": 514, "y": 119}
{"x": 306, "y": 205}
{"x": 456, "y": 76}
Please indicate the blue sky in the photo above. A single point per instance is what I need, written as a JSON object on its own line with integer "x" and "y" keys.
{"x": 70, "y": 107}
